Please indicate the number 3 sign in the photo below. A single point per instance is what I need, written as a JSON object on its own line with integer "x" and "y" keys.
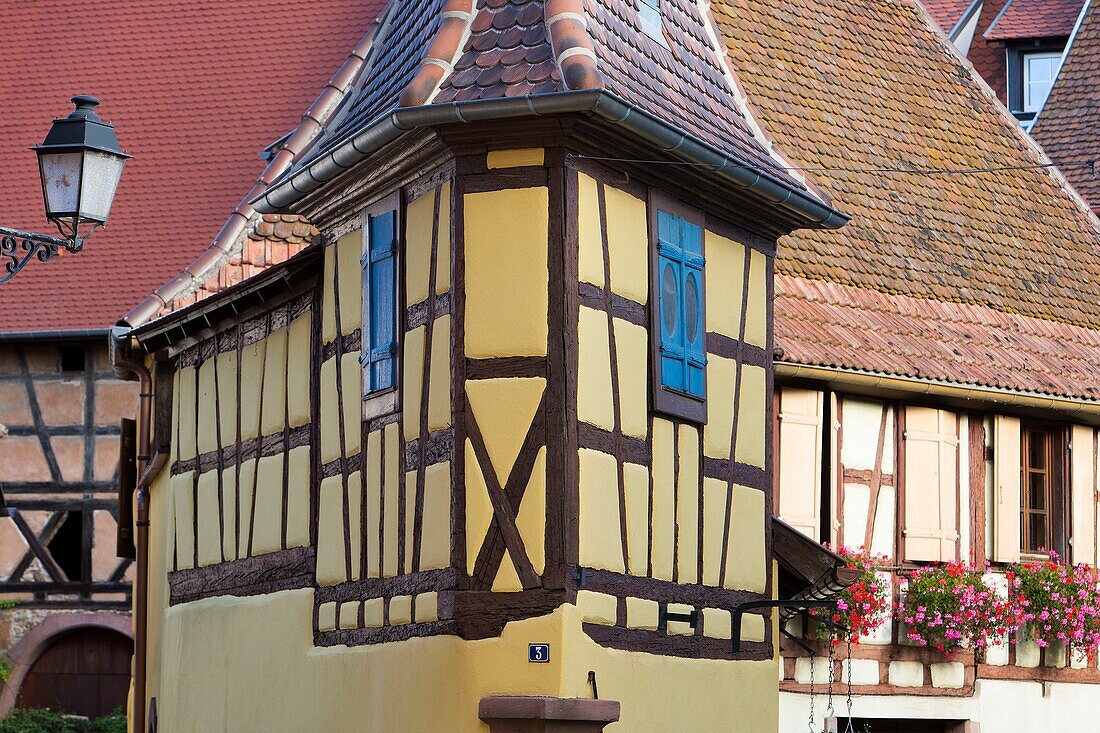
{"x": 538, "y": 653}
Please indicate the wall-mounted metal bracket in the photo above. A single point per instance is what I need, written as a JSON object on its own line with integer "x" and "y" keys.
{"x": 741, "y": 608}
{"x": 664, "y": 616}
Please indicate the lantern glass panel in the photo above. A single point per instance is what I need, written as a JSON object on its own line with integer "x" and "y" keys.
{"x": 101, "y": 174}
{"x": 61, "y": 177}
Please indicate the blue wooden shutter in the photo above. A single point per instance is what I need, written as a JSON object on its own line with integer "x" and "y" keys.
{"x": 379, "y": 265}
{"x": 691, "y": 246}
{"x": 680, "y": 288}
{"x": 670, "y": 278}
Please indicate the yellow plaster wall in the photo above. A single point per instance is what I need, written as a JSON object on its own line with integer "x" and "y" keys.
{"x": 253, "y": 357}
{"x": 515, "y": 158}
{"x": 248, "y": 664}
{"x": 207, "y": 417}
{"x": 752, "y": 416}
{"x": 589, "y": 236}
{"x": 274, "y": 383}
{"x": 435, "y": 548}
{"x": 418, "y": 246}
{"x": 676, "y": 533}
{"x": 298, "y": 370}
{"x": 627, "y": 242}
{"x": 756, "y": 323}
{"x": 595, "y": 399}
{"x": 687, "y": 506}
{"x": 186, "y": 385}
{"x": 726, "y": 258}
{"x": 372, "y": 476}
{"x": 636, "y": 485}
{"x": 506, "y": 272}
{"x": 443, "y": 255}
{"x": 664, "y": 506}
{"x": 632, "y": 352}
{"x": 600, "y": 543}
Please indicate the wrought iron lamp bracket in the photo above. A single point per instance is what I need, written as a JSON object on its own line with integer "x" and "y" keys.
{"x": 19, "y": 248}
{"x": 740, "y": 609}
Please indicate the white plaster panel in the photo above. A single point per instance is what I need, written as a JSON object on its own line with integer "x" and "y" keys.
{"x": 906, "y": 674}
{"x": 948, "y": 675}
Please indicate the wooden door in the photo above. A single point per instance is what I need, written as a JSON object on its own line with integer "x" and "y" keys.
{"x": 84, "y": 672}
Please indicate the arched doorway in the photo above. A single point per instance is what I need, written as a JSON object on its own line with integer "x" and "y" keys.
{"x": 85, "y": 671}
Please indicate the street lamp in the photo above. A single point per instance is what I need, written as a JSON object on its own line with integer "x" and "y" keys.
{"x": 79, "y": 163}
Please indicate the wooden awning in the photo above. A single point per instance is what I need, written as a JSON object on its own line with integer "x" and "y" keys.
{"x": 807, "y": 569}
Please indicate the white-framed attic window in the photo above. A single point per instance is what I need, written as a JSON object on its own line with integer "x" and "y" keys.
{"x": 1040, "y": 72}
{"x": 649, "y": 16}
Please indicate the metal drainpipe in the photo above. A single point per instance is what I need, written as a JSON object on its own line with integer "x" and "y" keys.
{"x": 126, "y": 362}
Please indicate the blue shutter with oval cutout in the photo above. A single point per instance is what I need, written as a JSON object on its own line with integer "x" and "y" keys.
{"x": 379, "y": 275}
{"x": 680, "y": 291}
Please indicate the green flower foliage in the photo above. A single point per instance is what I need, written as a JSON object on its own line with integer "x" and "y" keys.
{"x": 48, "y": 721}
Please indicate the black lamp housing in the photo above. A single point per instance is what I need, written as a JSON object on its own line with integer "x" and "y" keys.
{"x": 80, "y": 163}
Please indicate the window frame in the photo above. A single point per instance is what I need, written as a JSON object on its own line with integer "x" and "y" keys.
{"x": 383, "y": 401}
{"x": 1057, "y": 502}
{"x": 1015, "y": 89}
{"x": 1025, "y": 81}
{"x": 666, "y": 400}
{"x": 651, "y": 20}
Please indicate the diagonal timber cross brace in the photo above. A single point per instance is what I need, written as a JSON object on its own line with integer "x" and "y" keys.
{"x": 740, "y": 609}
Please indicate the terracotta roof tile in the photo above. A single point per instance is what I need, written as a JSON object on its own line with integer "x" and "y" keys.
{"x": 988, "y": 56}
{"x": 195, "y": 94}
{"x": 509, "y": 52}
{"x": 946, "y": 13}
{"x": 1035, "y": 19}
{"x": 832, "y": 325}
{"x": 1068, "y": 128}
{"x": 897, "y": 97}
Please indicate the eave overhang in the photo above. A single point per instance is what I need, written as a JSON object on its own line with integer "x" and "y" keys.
{"x": 798, "y": 208}
{"x": 878, "y": 383}
{"x": 808, "y": 571}
{"x": 230, "y": 303}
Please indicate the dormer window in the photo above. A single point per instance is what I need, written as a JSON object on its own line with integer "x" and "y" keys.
{"x": 649, "y": 15}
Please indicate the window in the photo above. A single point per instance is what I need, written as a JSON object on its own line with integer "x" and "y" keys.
{"x": 649, "y": 16}
{"x": 1040, "y": 71}
{"x": 679, "y": 312}
{"x": 1036, "y": 483}
{"x": 380, "y": 302}
{"x": 72, "y": 358}
{"x": 66, "y": 546}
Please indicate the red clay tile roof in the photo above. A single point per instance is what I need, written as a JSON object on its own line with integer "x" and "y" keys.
{"x": 509, "y": 53}
{"x": 1068, "y": 127}
{"x": 195, "y": 94}
{"x": 1035, "y": 19}
{"x": 832, "y": 325}
{"x": 946, "y": 13}
{"x": 863, "y": 85}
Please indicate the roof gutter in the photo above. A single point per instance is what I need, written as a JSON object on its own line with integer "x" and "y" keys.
{"x": 599, "y": 102}
{"x": 938, "y": 388}
{"x": 79, "y": 335}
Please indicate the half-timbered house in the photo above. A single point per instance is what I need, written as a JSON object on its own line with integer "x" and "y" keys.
{"x": 496, "y": 450}
{"x": 936, "y": 358}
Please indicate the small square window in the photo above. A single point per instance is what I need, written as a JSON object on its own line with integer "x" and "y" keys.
{"x": 678, "y": 312}
{"x": 381, "y": 235}
{"x": 73, "y": 358}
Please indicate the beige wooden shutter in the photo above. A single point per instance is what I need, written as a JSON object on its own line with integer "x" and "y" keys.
{"x": 1083, "y": 496}
{"x": 1006, "y": 489}
{"x": 931, "y": 484}
{"x": 800, "y": 425}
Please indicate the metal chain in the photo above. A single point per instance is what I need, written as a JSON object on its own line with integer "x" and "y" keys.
{"x": 850, "y": 728}
{"x": 810, "y": 723}
{"x": 830, "y": 711}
